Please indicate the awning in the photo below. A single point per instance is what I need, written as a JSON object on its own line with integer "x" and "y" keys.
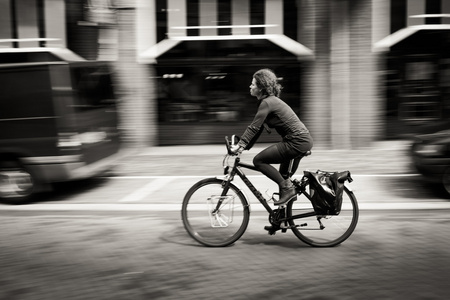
{"x": 398, "y": 36}
{"x": 288, "y": 44}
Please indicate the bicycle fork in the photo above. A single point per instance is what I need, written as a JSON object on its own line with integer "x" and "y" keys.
{"x": 223, "y": 196}
{"x": 223, "y": 206}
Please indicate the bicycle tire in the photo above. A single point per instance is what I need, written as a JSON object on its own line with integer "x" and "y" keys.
{"x": 337, "y": 229}
{"x": 215, "y": 230}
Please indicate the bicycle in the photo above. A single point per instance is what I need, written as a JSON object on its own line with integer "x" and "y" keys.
{"x": 216, "y": 212}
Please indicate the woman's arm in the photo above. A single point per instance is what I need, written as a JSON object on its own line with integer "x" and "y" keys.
{"x": 254, "y": 130}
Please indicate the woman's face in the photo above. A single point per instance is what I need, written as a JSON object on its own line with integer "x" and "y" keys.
{"x": 254, "y": 90}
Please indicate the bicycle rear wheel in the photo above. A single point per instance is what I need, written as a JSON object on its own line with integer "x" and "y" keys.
{"x": 209, "y": 223}
{"x": 335, "y": 229}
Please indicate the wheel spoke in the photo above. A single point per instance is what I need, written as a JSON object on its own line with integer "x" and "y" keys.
{"x": 336, "y": 228}
{"x": 211, "y": 219}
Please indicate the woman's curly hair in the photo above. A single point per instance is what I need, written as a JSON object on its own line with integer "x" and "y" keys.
{"x": 267, "y": 81}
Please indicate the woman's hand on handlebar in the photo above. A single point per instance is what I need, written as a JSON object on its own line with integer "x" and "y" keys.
{"x": 233, "y": 146}
{"x": 236, "y": 149}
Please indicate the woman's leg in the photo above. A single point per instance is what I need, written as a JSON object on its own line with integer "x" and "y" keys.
{"x": 275, "y": 155}
{"x": 284, "y": 167}
{"x": 265, "y": 158}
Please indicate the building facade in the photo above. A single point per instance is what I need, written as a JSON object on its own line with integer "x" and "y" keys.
{"x": 183, "y": 67}
{"x": 416, "y": 67}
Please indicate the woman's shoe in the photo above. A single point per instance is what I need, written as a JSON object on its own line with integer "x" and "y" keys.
{"x": 272, "y": 229}
{"x": 287, "y": 192}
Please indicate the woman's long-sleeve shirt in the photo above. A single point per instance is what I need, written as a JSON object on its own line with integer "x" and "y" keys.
{"x": 276, "y": 114}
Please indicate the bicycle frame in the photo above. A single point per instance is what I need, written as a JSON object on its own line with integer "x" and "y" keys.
{"x": 237, "y": 170}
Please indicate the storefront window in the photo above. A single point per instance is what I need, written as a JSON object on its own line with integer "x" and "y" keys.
{"x": 215, "y": 94}
{"x": 210, "y": 101}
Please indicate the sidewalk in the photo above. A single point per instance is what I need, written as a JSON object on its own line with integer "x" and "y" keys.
{"x": 385, "y": 157}
{"x": 384, "y": 175}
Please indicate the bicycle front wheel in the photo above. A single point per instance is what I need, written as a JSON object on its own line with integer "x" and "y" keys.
{"x": 328, "y": 230}
{"x": 212, "y": 216}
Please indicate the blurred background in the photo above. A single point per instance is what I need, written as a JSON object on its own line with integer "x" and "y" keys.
{"x": 82, "y": 79}
{"x": 356, "y": 71}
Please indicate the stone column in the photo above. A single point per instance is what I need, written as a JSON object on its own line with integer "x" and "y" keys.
{"x": 343, "y": 107}
{"x": 314, "y": 33}
{"x": 340, "y": 75}
{"x": 136, "y": 88}
{"x": 367, "y": 103}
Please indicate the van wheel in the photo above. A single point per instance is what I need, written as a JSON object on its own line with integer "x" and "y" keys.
{"x": 16, "y": 183}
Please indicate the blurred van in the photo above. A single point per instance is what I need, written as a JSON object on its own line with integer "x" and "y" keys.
{"x": 58, "y": 120}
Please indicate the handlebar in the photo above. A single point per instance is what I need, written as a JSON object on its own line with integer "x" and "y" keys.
{"x": 229, "y": 143}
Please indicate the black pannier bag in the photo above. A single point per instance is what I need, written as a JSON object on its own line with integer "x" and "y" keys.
{"x": 326, "y": 190}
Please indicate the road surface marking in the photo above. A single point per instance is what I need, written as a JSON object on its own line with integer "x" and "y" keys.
{"x": 147, "y": 189}
{"x": 177, "y": 207}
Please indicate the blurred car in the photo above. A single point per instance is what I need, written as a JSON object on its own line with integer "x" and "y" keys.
{"x": 431, "y": 157}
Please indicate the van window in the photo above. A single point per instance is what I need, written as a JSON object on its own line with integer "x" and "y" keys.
{"x": 93, "y": 87}
{"x": 25, "y": 93}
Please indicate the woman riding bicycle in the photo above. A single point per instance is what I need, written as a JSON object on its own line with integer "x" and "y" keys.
{"x": 276, "y": 114}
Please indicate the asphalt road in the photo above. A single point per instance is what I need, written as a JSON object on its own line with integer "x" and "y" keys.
{"x": 392, "y": 255}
